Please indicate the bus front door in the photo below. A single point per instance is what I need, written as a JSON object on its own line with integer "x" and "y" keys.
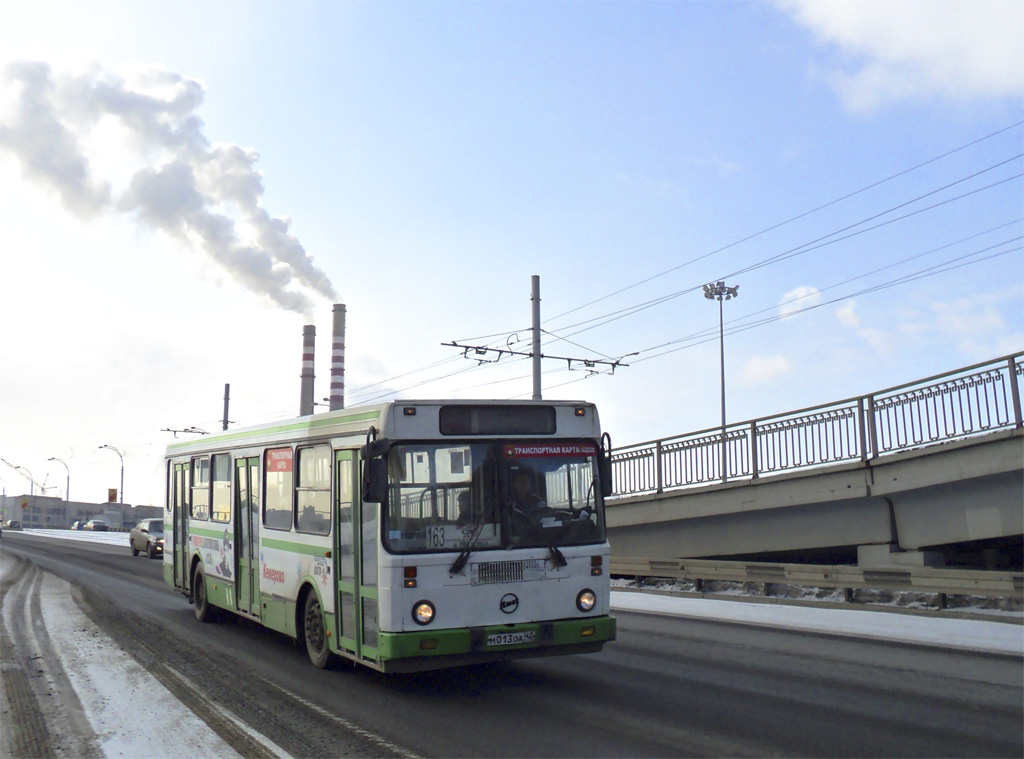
{"x": 356, "y": 620}
{"x": 247, "y": 536}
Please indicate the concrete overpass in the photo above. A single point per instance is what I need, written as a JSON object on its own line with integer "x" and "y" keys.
{"x": 931, "y": 472}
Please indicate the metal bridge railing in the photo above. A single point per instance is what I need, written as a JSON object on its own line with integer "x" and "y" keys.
{"x": 970, "y": 401}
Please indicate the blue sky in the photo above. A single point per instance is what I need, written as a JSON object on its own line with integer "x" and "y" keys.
{"x": 430, "y": 157}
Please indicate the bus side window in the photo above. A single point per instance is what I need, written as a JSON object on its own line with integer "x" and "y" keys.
{"x": 201, "y": 488}
{"x": 221, "y": 501}
{"x": 313, "y": 494}
{"x": 277, "y": 491}
{"x": 345, "y": 535}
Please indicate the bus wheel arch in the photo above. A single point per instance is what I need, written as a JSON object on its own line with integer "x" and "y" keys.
{"x": 205, "y": 611}
{"x": 310, "y": 630}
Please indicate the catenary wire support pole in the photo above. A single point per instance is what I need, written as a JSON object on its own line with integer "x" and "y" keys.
{"x": 227, "y": 400}
{"x": 120, "y": 456}
{"x": 720, "y": 292}
{"x": 535, "y": 353}
{"x": 535, "y": 300}
{"x": 67, "y": 489}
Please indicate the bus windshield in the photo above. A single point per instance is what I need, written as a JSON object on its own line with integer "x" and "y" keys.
{"x": 455, "y": 496}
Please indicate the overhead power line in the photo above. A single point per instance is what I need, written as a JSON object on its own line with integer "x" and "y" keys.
{"x": 805, "y": 214}
{"x": 817, "y": 244}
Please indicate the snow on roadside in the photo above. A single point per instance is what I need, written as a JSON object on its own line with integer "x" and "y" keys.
{"x": 127, "y": 707}
{"x": 973, "y": 635}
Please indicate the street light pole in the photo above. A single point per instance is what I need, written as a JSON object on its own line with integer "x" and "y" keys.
{"x": 720, "y": 292}
{"x": 31, "y": 481}
{"x": 67, "y": 489}
{"x": 121, "y": 494}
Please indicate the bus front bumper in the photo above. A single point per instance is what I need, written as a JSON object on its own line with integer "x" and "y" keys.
{"x": 433, "y": 649}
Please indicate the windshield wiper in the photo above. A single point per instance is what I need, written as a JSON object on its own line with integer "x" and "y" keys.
{"x": 463, "y": 557}
{"x": 556, "y": 556}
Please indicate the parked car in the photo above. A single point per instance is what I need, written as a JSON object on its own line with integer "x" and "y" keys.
{"x": 14, "y": 524}
{"x": 99, "y": 525}
{"x": 147, "y": 536}
{"x": 79, "y": 525}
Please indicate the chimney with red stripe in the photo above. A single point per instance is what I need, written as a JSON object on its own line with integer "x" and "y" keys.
{"x": 337, "y": 399}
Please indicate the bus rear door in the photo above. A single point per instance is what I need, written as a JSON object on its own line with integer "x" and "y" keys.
{"x": 179, "y": 498}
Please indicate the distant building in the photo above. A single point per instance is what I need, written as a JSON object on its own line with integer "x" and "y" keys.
{"x": 49, "y": 512}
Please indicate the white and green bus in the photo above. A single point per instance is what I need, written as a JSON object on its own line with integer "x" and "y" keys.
{"x": 405, "y": 536}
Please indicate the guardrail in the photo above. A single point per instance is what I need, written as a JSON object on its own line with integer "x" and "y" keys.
{"x": 940, "y": 581}
{"x": 963, "y": 403}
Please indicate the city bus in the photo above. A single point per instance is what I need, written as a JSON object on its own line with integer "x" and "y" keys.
{"x": 405, "y": 536}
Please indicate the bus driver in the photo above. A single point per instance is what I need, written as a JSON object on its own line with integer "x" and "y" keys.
{"x": 523, "y": 497}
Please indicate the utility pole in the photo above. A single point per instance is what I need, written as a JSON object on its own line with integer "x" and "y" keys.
{"x": 227, "y": 399}
{"x": 720, "y": 292}
{"x": 535, "y": 298}
{"x": 534, "y": 354}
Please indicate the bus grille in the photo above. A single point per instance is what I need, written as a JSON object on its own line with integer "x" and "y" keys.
{"x": 507, "y": 571}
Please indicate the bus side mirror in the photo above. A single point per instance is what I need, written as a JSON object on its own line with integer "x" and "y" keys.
{"x": 605, "y": 471}
{"x": 375, "y": 480}
{"x": 604, "y": 466}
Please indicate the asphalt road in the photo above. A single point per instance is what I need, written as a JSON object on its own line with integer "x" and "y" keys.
{"x": 667, "y": 687}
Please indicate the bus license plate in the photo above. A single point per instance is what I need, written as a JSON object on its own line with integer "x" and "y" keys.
{"x": 511, "y": 638}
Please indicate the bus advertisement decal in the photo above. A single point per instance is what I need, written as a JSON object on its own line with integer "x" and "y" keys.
{"x": 534, "y": 450}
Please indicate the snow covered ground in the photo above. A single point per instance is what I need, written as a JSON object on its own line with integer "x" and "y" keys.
{"x": 107, "y": 680}
{"x": 975, "y": 635}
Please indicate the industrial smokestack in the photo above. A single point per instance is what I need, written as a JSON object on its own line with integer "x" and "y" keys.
{"x": 306, "y": 390}
{"x": 338, "y": 359}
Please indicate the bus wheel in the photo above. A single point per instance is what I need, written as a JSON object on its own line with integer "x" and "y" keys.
{"x": 204, "y": 611}
{"x": 315, "y": 635}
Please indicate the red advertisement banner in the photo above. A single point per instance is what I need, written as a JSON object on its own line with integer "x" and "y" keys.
{"x": 279, "y": 460}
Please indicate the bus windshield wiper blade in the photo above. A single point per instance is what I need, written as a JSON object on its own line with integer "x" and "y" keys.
{"x": 463, "y": 557}
{"x": 460, "y": 562}
{"x": 556, "y": 556}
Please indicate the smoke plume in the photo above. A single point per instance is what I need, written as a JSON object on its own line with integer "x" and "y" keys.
{"x": 203, "y": 195}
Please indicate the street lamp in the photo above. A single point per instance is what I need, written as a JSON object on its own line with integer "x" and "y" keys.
{"x": 67, "y": 490}
{"x": 31, "y": 482}
{"x": 121, "y": 494}
{"x": 720, "y": 292}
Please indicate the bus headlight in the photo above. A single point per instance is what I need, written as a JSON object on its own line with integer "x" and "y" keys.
{"x": 423, "y": 612}
{"x": 586, "y": 600}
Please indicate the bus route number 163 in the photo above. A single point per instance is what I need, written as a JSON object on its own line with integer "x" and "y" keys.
{"x": 436, "y": 537}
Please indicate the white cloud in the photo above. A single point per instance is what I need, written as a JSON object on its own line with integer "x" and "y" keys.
{"x": 758, "y": 370}
{"x": 881, "y": 342}
{"x": 976, "y": 326}
{"x": 723, "y": 166}
{"x": 846, "y": 314}
{"x": 918, "y": 48}
{"x": 799, "y": 299}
